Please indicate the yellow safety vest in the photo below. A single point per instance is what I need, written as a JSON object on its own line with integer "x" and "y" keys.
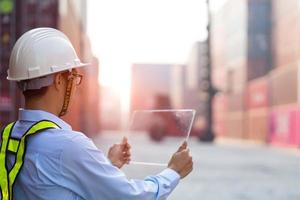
{"x": 18, "y": 147}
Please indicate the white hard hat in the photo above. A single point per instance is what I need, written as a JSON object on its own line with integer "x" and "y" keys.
{"x": 41, "y": 52}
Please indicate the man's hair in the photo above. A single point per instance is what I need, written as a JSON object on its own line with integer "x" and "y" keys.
{"x": 28, "y": 94}
{"x": 42, "y": 91}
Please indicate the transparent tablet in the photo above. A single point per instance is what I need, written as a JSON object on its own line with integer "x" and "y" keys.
{"x": 158, "y": 130}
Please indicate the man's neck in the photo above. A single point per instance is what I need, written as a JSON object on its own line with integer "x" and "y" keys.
{"x": 40, "y": 105}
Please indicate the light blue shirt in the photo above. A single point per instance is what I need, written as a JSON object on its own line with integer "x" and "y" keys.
{"x": 63, "y": 164}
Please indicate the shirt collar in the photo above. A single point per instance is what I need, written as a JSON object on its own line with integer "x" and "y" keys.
{"x": 38, "y": 115}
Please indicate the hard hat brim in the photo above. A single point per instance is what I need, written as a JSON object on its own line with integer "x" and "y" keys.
{"x": 50, "y": 72}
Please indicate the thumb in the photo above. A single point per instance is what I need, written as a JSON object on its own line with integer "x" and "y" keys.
{"x": 182, "y": 146}
{"x": 124, "y": 140}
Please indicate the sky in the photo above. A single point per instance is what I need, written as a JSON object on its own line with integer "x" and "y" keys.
{"x": 143, "y": 31}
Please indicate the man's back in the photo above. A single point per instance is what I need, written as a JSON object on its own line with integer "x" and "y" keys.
{"x": 41, "y": 174}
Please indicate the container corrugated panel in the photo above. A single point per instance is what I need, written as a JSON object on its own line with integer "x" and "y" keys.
{"x": 217, "y": 46}
{"x": 8, "y": 100}
{"x": 285, "y": 126}
{"x": 257, "y": 124}
{"x": 236, "y": 77}
{"x": 219, "y": 114}
{"x": 236, "y": 101}
{"x": 286, "y": 16}
{"x": 258, "y": 93}
{"x": 258, "y": 67}
{"x": 235, "y": 125}
{"x": 284, "y": 85}
{"x": 259, "y": 38}
{"x": 219, "y": 127}
{"x": 32, "y": 14}
{"x": 286, "y": 46}
{"x": 283, "y": 7}
{"x": 234, "y": 20}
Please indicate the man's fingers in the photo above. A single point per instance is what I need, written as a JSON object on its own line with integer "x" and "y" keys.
{"x": 126, "y": 153}
{"x": 182, "y": 146}
{"x": 190, "y": 166}
{"x": 127, "y": 146}
{"x": 185, "y": 151}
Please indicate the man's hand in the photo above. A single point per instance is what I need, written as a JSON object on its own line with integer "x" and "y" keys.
{"x": 181, "y": 161}
{"x": 119, "y": 154}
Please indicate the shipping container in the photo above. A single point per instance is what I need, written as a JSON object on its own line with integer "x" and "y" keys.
{"x": 235, "y": 125}
{"x": 217, "y": 40}
{"x": 237, "y": 77}
{"x": 8, "y": 91}
{"x": 228, "y": 43}
{"x": 236, "y": 101}
{"x": 258, "y": 94}
{"x": 284, "y": 85}
{"x": 219, "y": 113}
{"x": 285, "y": 126}
{"x": 257, "y": 124}
{"x": 32, "y": 14}
{"x": 259, "y": 38}
{"x": 286, "y": 46}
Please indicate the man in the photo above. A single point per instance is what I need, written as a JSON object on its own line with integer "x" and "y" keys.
{"x": 61, "y": 163}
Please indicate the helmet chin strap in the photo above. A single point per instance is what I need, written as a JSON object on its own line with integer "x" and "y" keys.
{"x": 67, "y": 97}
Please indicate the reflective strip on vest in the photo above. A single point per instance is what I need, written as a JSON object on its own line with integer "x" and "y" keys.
{"x": 16, "y": 146}
{"x": 13, "y": 145}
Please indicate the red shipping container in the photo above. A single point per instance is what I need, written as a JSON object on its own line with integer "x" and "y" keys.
{"x": 257, "y": 124}
{"x": 285, "y": 126}
{"x": 236, "y": 101}
{"x": 284, "y": 85}
{"x": 258, "y": 93}
{"x": 235, "y": 125}
{"x": 219, "y": 110}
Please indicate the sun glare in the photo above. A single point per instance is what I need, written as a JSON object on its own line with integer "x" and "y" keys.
{"x": 142, "y": 31}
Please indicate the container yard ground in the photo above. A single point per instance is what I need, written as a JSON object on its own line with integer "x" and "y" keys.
{"x": 228, "y": 170}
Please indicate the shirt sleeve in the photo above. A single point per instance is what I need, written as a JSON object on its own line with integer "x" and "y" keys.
{"x": 87, "y": 172}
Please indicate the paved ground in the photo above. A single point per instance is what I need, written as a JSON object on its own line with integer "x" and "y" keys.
{"x": 223, "y": 171}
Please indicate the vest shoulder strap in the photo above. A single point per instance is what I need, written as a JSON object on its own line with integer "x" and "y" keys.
{"x": 17, "y": 146}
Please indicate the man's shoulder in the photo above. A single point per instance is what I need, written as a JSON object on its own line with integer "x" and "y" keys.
{"x": 74, "y": 140}
{"x": 61, "y": 139}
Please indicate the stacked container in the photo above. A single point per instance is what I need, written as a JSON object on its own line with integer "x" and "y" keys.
{"x": 220, "y": 113}
{"x": 241, "y": 55}
{"x": 285, "y": 78}
{"x": 229, "y": 63}
{"x": 257, "y": 101}
{"x": 285, "y": 111}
